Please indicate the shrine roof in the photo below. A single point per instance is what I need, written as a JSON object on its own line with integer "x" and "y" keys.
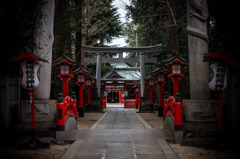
{"x": 28, "y": 55}
{"x": 174, "y": 58}
{"x": 122, "y": 75}
{"x": 160, "y": 69}
{"x": 65, "y": 58}
{"x": 81, "y": 70}
{"x": 218, "y": 56}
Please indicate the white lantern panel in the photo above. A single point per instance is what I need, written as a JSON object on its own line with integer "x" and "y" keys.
{"x": 217, "y": 79}
{"x": 160, "y": 77}
{"x": 64, "y": 69}
{"x": 176, "y": 69}
{"x": 151, "y": 82}
{"x": 30, "y": 74}
{"x": 125, "y": 93}
{"x": 80, "y": 78}
{"x": 89, "y": 82}
{"x": 105, "y": 94}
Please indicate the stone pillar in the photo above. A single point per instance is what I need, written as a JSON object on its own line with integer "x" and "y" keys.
{"x": 98, "y": 73}
{"x": 43, "y": 40}
{"x": 197, "y": 14}
{"x": 142, "y": 70}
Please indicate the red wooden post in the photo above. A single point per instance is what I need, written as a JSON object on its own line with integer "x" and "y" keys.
{"x": 220, "y": 110}
{"x": 65, "y": 86}
{"x": 31, "y": 94}
{"x": 81, "y": 114}
{"x": 137, "y": 100}
{"x": 60, "y": 113}
{"x": 160, "y": 101}
{"x": 89, "y": 95}
{"x": 178, "y": 112}
{"x": 151, "y": 95}
{"x": 175, "y": 86}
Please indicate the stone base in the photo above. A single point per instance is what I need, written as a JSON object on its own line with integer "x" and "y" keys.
{"x": 81, "y": 112}
{"x": 172, "y": 135}
{"x": 199, "y": 116}
{"x": 45, "y": 115}
{"x": 70, "y": 125}
{"x": 160, "y": 111}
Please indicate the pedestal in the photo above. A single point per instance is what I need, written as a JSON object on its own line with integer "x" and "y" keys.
{"x": 45, "y": 115}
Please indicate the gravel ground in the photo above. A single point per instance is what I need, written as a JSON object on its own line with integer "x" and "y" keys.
{"x": 188, "y": 152}
{"x": 55, "y": 151}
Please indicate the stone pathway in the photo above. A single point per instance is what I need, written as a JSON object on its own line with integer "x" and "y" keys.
{"x": 119, "y": 134}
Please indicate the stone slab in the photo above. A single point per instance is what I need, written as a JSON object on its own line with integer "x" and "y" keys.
{"x": 200, "y": 110}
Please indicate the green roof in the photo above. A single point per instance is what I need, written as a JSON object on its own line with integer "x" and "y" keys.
{"x": 125, "y": 71}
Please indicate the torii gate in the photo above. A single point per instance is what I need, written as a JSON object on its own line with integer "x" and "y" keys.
{"x": 102, "y": 50}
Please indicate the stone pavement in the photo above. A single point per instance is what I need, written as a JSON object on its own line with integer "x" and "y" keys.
{"x": 119, "y": 134}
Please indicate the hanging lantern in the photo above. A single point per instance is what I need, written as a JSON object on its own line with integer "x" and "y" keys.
{"x": 218, "y": 73}
{"x": 218, "y": 70}
{"x": 29, "y": 69}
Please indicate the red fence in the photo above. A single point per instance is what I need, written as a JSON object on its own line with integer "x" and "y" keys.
{"x": 173, "y": 109}
{"x": 65, "y": 108}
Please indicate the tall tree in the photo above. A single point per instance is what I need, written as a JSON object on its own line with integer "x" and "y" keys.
{"x": 43, "y": 41}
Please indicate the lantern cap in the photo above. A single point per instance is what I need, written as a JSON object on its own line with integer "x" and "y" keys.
{"x": 149, "y": 78}
{"x": 65, "y": 58}
{"x": 27, "y": 54}
{"x": 218, "y": 56}
{"x": 159, "y": 70}
{"x": 91, "y": 77}
{"x": 176, "y": 59}
{"x": 81, "y": 70}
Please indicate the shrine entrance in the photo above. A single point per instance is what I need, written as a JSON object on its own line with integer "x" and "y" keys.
{"x": 115, "y": 94}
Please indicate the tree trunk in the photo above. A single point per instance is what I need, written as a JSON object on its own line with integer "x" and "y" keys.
{"x": 84, "y": 28}
{"x": 43, "y": 41}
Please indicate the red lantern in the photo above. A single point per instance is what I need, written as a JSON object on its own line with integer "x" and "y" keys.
{"x": 89, "y": 82}
{"x": 176, "y": 66}
{"x": 160, "y": 73}
{"x": 81, "y": 80}
{"x": 65, "y": 64}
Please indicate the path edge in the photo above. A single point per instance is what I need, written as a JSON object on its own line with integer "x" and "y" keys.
{"x": 143, "y": 121}
{"x": 95, "y": 125}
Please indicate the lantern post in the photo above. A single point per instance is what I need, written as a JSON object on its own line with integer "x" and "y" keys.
{"x": 89, "y": 84}
{"x": 160, "y": 73}
{"x": 137, "y": 92}
{"x": 151, "y": 85}
{"x": 176, "y": 70}
{"x": 218, "y": 76}
{"x": 65, "y": 64}
{"x": 81, "y": 81}
{"x": 29, "y": 75}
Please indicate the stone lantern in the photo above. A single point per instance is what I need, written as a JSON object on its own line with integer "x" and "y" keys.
{"x": 218, "y": 76}
{"x": 176, "y": 70}
{"x": 81, "y": 81}
{"x": 29, "y": 75}
{"x": 65, "y": 64}
{"x": 160, "y": 74}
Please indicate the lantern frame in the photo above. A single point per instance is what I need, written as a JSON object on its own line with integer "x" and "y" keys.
{"x": 151, "y": 83}
{"x": 82, "y": 74}
{"x": 67, "y": 62}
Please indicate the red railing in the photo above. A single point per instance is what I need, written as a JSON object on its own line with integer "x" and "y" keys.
{"x": 130, "y": 103}
{"x": 65, "y": 108}
{"x": 173, "y": 109}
